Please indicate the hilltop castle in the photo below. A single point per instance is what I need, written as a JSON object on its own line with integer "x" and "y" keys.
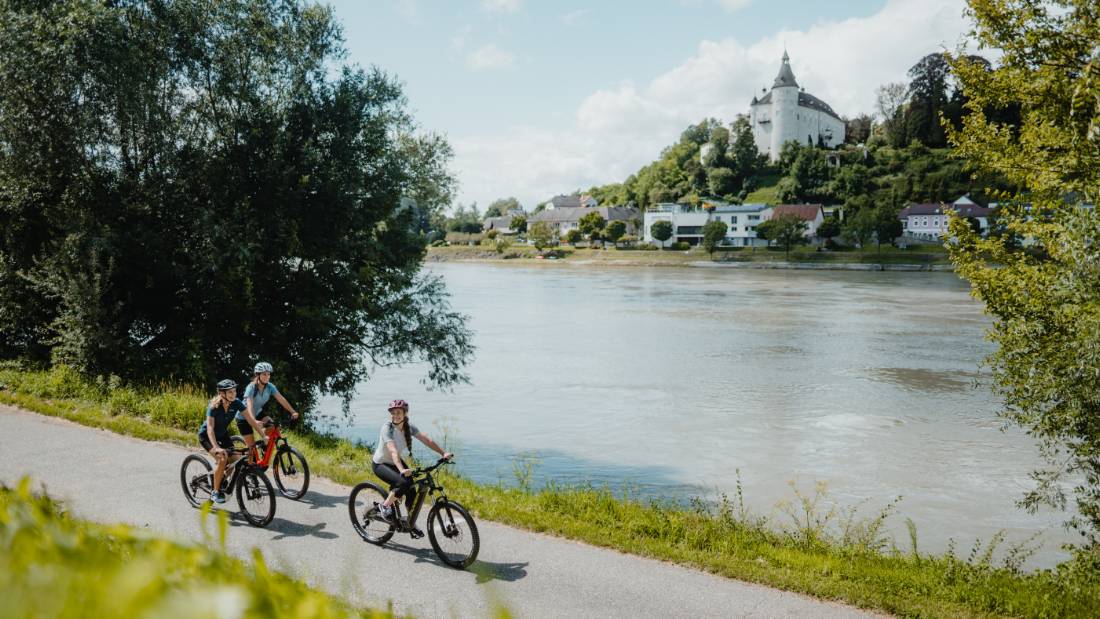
{"x": 789, "y": 113}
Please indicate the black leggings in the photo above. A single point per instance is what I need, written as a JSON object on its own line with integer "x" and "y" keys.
{"x": 402, "y": 486}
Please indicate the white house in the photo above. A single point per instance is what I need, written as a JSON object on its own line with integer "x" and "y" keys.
{"x": 564, "y": 219}
{"x": 789, "y": 113}
{"x": 688, "y": 221}
{"x": 812, "y": 214}
{"x": 929, "y": 221}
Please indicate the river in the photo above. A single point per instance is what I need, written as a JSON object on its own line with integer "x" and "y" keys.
{"x": 666, "y": 381}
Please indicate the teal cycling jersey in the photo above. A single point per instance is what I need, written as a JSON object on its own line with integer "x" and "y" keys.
{"x": 258, "y": 400}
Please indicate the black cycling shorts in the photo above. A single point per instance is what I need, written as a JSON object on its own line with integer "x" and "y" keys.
{"x": 245, "y": 428}
{"x": 223, "y": 441}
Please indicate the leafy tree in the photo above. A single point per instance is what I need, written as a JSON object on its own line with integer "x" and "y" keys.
{"x": 890, "y": 100}
{"x": 1044, "y": 297}
{"x": 519, "y": 224}
{"x": 745, "y": 159}
{"x": 887, "y": 225}
{"x": 787, "y": 230}
{"x": 501, "y": 207}
{"x": 860, "y": 226}
{"x": 573, "y": 237}
{"x": 829, "y": 228}
{"x": 721, "y": 181}
{"x": 713, "y": 234}
{"x": 188, "y": 187}
{"x": 661, "y": 230}
{"x": 858, "y": 130}
{"x": 614, "y": 231}
{"x": 591, "y": 224}
{"x": 541, "y": 235}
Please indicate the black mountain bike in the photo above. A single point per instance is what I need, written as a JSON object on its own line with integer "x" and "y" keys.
{"x": 255, "y": 495}
{"x": 451, "y": 528}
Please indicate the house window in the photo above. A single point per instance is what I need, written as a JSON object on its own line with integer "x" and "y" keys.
{"x": 754, "y": 218}
{"x": 682, "y": 230}
{"x": 733, "y": 219}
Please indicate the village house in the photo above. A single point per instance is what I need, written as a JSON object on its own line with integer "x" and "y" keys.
{"x": 741, "y": 221}
{"x": 928, "y": 222}
{"x": 563, "y": 219}
{"x": 812, "y": 214}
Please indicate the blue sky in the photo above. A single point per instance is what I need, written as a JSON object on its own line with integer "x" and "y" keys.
{"x": 540, "y": 98}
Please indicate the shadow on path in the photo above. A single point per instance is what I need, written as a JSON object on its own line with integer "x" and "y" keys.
{"x": 285, "y": 528}
{"x": 320, "y": 500}
{"x": 484, "y": 571}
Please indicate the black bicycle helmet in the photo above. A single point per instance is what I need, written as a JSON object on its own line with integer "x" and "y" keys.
{"x": 226, "y": 385}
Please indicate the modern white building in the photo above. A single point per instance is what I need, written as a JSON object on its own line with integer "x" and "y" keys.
{"x": 788, "y": 113}
{"x": 688, "y": 221}
{"x": 929, "y": 221}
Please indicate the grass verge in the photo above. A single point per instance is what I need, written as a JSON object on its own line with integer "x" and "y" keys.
{"x": 845, "y": 559}
{"x": 52, "y": 565}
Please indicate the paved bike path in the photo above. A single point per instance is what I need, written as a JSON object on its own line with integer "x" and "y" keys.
{"x": 106, "y": 477}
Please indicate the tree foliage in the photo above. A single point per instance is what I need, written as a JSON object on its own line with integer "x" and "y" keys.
{"x": 1044, "y": 293}
{"x": 714, "y": 232}
{"x": 541, "y": 235}
{"x": 188, "y": 187}
{"x": 661, "y": 230}
{"x": 786, "y": 230}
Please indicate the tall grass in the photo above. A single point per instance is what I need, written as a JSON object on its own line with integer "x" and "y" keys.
{"x": 816, "y": 547}
{"x": 52, "y": 565}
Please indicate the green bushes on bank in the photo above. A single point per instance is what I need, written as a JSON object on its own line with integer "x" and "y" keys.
{"x": 52, "y": 565}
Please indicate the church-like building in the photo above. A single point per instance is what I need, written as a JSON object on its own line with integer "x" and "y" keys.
{"x": 789, "y": 113}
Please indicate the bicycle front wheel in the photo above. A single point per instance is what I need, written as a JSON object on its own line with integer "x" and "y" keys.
{"x": 291, "y": 473}
{"x": 364, "y": 507}
{"x": 256, "y": 498}
{"x": 197, "y": 478}
{"x": 453, "y": 534}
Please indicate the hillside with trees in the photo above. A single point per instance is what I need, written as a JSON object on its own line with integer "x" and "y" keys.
{"x": 897, "y": 156}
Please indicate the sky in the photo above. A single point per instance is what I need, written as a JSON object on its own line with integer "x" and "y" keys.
{"x": 540, "y": 98}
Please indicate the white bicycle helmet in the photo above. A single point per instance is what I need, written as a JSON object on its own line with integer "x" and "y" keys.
{"x": 262, "y": 367}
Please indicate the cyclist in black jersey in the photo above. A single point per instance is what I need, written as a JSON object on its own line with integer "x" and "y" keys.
{"x": 214, "y": 432}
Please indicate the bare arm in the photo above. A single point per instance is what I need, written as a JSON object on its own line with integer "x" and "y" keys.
{"x": 250, "y": 417}
{"x": 392, "y": 448}
{"x": 286, "y": 405}
{"x": 427, "y": 440}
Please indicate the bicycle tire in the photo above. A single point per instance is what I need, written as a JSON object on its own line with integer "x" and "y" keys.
{"x": 190, "y": 482}
{"x": 257, "y": 486}
{"x": 284, "y": 455}
{"x": 443, "y": 517}
{"x": 365, "y": 513}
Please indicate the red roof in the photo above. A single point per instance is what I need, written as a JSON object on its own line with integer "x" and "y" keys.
{"x": 806, "y": 212}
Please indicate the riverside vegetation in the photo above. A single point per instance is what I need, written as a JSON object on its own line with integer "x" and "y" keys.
{"x": 53, "y": 565}
{"x": 816, "y": 547}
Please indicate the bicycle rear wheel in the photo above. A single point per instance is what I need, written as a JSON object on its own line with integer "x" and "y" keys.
{"x": 256, "y": 498}
{"x": 363, "y": 507}
{"x": 453, "y": 534}
{"x": 291, "y": 473}
{"x": 196, "y": 478}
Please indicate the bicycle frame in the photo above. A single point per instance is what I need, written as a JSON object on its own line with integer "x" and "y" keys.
{"x": 275, "y": 439}
{"x": 425, "y": 485}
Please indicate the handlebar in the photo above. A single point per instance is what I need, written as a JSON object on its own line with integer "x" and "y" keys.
{"x": 424, "y": 471}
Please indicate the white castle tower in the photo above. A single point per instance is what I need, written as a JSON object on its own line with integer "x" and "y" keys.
{"x": 788, "y": 113}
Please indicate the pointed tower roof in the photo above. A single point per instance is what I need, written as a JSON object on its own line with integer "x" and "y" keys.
{"x": 786, "y": 76}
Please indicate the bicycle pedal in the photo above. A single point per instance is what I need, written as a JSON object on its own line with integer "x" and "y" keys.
{"x": 416, "y": 534}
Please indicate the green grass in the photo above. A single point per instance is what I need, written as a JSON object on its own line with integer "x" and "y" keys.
{"x": 52, "y": 565}
{"x": 820, "y": 550}
{"x": 767, "y": 190}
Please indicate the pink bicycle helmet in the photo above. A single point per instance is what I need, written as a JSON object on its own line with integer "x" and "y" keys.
{"x": 398, "y": 403}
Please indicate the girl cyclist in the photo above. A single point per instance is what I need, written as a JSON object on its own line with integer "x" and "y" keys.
{"x": 214, "y": 432}
{"x": 256, "y": 394}
{"x": 394, "y": 440}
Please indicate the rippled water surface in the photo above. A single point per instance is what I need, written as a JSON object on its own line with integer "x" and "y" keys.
{"x": 666, "y": 381}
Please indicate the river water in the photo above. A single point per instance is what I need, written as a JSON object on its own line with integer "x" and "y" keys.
{"x": 667, "y": 381}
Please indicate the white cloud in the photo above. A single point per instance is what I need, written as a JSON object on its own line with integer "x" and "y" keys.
{"x": 574, "y": 17}
{"x": 733, "y": 6}
{"x": 489, "y": 57}
{"x": 619, "y": 128}
{"x": 501, "y": 6}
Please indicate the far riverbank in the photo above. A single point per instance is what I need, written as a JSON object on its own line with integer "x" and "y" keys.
{"x": 888, "y": 259}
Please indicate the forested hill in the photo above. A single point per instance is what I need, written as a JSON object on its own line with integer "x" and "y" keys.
{"x": 888, "y": 163}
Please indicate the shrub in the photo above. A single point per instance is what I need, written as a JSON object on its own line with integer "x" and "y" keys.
{"x": 681, "y": 246}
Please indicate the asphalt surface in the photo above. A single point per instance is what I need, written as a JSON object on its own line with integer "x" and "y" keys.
{"x": 110, "y": 478}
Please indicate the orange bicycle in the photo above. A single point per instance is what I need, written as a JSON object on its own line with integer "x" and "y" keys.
{"x": 289, "y": 465}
